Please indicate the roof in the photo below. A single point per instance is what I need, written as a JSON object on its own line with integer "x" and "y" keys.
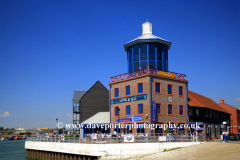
{"x": 100, "y": 117}
{"x": 147, "y": 36}
{"x": 237, "y": 107}
{"x": 77, "y": 95}
{"x": 197, "y": 100}
{"x": 20, "y": 129}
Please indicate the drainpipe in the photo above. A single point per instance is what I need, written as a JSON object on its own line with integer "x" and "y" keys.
{"x": 187, "y": 104}
{"x": 110, "y": 106}
{"x": 151, "y": 100}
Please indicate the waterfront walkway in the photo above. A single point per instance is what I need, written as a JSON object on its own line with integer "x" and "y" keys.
{"x": 208, "y": 150}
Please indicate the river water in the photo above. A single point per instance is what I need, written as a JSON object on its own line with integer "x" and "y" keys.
{"x": 13, "y": 150}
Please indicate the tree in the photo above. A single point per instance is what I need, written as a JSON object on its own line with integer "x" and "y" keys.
{"x": 1, "y": 128}
{"x": 7, "y": 129}
{"x": 12, "y": 129}
{"x": 9, "y": 133}
{"x": 28, "y": 133}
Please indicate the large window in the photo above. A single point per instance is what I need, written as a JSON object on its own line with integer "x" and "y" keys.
{"x": 190, "y": 112}
{"x": 140, "y": 108}
{"x": 158, "y": 108}
{"x": 128, "y": 110}
{"x": 157, "y": 87}
{"x": 170, "y": 109}
{"x": 127, "y": 89}
{"x": 140, "y": 87}
{"x": 116, "y": 92}
{"x": 180, "y": 89}
{"x": 170, "y": 89}
{"x": 154, "y": 55}
{"x": 180, "y": 110}
{"x": 197, "y": 112}
{"x": 116, "y": 111}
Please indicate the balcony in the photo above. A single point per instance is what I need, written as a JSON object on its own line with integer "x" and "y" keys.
{"x": 76, "y": 109}
{"x": 150, "y": 71}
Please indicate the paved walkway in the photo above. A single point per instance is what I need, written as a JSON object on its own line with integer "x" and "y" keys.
{"x": 209, "y": 150}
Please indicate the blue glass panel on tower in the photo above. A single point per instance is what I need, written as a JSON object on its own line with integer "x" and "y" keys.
{"x": 147, "y": 50}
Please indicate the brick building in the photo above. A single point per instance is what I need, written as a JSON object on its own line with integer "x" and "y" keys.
{"x": 234, "y": 118}
{"x": 148, "y": 93}
{"x": 210, "y": 116}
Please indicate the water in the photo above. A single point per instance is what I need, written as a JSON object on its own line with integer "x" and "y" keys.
{"x": 13, "y": 150}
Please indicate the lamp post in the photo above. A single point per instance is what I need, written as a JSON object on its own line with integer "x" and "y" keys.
{"x": 232, "y": 127}
{"x": 57, "y": 124}
{"x": 119, "y": 116}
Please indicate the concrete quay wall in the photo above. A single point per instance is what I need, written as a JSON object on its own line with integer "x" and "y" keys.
{"x": 105, "y": 151}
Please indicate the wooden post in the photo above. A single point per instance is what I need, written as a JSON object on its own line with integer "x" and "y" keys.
{"x": 74, "y": 157}
{"x": 80, "y": 157}
{"x": 70, "y": 156}
{"x": 84, "y": 157}
{"x": 89, "y": 157}
{"x": 67, "y": 157}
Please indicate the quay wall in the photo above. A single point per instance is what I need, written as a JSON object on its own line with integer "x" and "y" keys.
{"x": 103, "y": 151}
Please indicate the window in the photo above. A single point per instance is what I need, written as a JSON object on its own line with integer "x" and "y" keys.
{"x": 190, "y": 112}
{"x": 140, "y": 108}
{"x": 140, "y": 87}
{"x": 128, "y": 110}
{"x": 116, "y": 111}
{"x": 127, "y": 88}
{"x": 180, "y": 91}
{"x": 158, "y": 108}
{"x": 157, "y": 87}
{"x": 181, "y": 110}
{"x": 169, "y": 89}
{"x": 197, "y": 112}
{"x": 210, "y": 113}
{"x": 170, "y": 109}
{"x": 116, "y": 92}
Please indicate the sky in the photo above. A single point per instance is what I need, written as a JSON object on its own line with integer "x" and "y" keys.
{"x": 48, "y": 49}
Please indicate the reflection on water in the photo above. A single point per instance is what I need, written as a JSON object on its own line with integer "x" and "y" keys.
{"x": 13, "y": 150}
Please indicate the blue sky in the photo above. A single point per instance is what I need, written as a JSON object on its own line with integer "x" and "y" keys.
{"x": 48, "y": 49}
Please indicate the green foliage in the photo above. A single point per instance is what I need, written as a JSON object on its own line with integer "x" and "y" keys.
{"x": 167, "y": 130}
{"x": 12, "y": 129}
{"x": 1, "y": 128}
{"x": 28, "y": 133}
{"x": 9, "y": 133}
{"x": 68, "y": 135}
{"x": 21, "y": 133}
{"x": 7, "y": 129}
{"x": 165, "y": 150}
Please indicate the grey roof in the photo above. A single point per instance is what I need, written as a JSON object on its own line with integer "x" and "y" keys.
{"x": 77, "y": 95}
{"x": 237, "y": 107}
{"x": 100, "y": 117}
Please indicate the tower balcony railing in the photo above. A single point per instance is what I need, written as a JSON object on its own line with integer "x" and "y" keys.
{"x": 145, "y": 71}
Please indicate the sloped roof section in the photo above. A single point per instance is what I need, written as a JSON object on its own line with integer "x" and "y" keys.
{"x": 77, "y": 95}
{"x": 237, "y": 107}
{"x": 197, "y": 100}
{"x": 100, "y": 117}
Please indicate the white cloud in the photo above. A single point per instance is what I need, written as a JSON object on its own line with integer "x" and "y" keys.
{"x": 6, "y": 114}
{"x": 69, "y": 115}
{"x": 237, "y": 99}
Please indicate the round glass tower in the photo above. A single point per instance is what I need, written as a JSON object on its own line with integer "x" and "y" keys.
{"x": 147, "y": 50}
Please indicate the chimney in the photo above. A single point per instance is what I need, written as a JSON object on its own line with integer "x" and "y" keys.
{"x": 147, "y": 28}
{"x": 221, "y": 101}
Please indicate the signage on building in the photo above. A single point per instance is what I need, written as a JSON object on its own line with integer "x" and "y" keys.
{"x": 136, "y": 118}
{"x": 129, "y": 99}
{"x": 222, "y": 125}
{"x": 199, "y": 123}
{"x": 124, "y": 119}
{"x": 161, "y": 73}
{"x": 154, "y": 111}
{"x": 129, "y": 138}
{"x": 215, "y": 126}
{"x": 162, "y": 138}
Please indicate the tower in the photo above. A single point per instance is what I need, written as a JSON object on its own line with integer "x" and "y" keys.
{"x": 147, "y": 50}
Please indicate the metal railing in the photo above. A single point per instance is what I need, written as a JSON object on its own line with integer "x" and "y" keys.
{"x": 148, "y": 70}
{"x": 111, "y": 138}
